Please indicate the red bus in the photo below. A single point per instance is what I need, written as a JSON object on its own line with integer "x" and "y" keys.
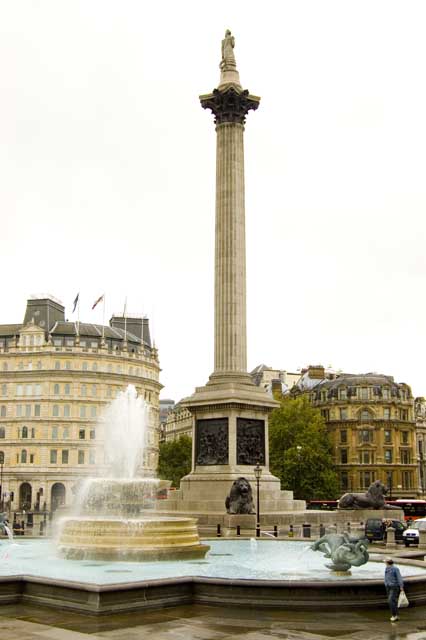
{"x": 412, "y": 508}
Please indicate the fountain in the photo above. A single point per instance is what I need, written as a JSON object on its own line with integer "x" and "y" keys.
{"x": 111, "y": 523}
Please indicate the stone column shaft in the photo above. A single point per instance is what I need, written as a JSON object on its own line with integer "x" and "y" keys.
{"x": 230, "y": 259}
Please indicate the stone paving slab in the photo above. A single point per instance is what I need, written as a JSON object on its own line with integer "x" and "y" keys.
{"x": 24, "y": 622}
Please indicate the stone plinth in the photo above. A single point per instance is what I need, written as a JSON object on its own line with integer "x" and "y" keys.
{"x": 246, "y": 522}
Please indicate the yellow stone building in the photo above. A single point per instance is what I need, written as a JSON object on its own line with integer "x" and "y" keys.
{"x": 56, "y": 377}
{"x": 372, "y": 426}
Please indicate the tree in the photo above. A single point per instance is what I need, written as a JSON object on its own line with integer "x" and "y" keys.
{"x": 300, "y": 450}
{"x": 174, "y": 459}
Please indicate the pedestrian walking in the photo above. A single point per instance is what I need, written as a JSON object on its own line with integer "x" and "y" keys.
{"x": 394, "y": 585}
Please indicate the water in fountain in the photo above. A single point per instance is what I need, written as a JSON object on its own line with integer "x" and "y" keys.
{"x": 112, "y": 524}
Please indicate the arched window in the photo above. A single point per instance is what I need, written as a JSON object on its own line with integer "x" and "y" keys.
{"x": 25, "y": 432}
{"x": 3, "y": 411}
{"x": 56, "y": 390}
{"x": 25, "y": 496}
{"x": 2, "y": 432}
{"x": 57, "y": 495}
{"x": 23, "y": 456}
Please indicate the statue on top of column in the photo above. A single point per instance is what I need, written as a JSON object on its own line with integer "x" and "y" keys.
{"x": 228, "y": 59}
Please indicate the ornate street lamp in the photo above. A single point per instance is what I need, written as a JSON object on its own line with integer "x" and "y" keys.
{"x": 257, "y": 474}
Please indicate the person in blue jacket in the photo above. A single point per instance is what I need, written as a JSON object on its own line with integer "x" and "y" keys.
{"x": 394, "y": 584}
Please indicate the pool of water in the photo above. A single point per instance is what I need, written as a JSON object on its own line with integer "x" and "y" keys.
{"x": 237, "y": 559}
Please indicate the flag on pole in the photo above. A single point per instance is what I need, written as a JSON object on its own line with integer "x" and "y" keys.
{"x": 75, "y": 302}
{"x": 98, "y": 301}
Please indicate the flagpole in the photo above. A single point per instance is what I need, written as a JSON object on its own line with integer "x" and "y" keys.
{"x": 103, "y": 322}
{"x": 78, "y": 315}
{"x": 125, "y": 320}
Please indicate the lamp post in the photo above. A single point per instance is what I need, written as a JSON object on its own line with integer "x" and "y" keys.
{"x": 1, "y": 479}
{"x": 257, "y": 474}
{"x": 299, "y": 454}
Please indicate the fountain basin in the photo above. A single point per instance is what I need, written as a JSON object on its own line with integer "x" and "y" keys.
{"x": 132, "y": 540}
{"x": 244, "y": 573}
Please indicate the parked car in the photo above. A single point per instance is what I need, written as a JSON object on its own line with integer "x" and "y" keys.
{"x": 375, "y": 529}
{"x": 411, "y": 535}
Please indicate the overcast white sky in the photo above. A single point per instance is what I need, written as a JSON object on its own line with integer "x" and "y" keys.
{"x": 107, "y": 176}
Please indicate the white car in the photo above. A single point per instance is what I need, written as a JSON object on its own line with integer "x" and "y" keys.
{"x": 411, "y": 535}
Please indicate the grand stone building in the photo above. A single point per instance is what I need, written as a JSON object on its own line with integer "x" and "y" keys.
{"x": 56, "y": 377}
{"x": 370, "y": 419}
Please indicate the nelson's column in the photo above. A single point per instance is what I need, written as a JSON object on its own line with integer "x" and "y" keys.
{"x": 230, "y": 413}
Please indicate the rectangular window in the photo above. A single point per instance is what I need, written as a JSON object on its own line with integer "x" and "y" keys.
{"x": 94, "y": 345}
{"x": 386, "y": 413}
{"x": 385, "y": 394}
{"x": 366, "y": 457}
{"x": 67, "y": 364}
{"x": 405, "y": 456}
{"x": 342, "y": 394}
{"x": 4, "y": 390}
{"x": 92, "y": 434}
{"x": 28, "y": 411}
{"x": 3, "y": 411}
{"x": 94, "y": 390}
{"x": 31, "y": 458}
{"x": 66, "y": 433}
{"x": 70, "y": 343}
{"x": 82, "y": 434}
{"x": 37, "y": 390}
{"x": 57, "y": 364}
{"x": 19, "y": 390}
{"x": 344, "y": 481}
{"x": 325, "y": 414}
{"x": 404, "y": 437}
{"x": 19, "y": 410}
{"x": 67, "y": 389}
{"x": 84, "y": 366}
{"x": 407, "y": 480}
{"x": 388, "y": 456}
{"x": 82, "y": 411}
{"x": 343, "y": 456}
{"x": 364, "y": 393}
{"x": 54, "y": 433}
{"x": 343, "y": 413}
{"x": 92, "y": 456}
{"x": 93, "y": 411}
{"x": 343, "y": 436}
{"x": 28, "y": 389}
{"x": 388, "y": 436}
{"x": 37, "y": 410}
{"x": 66, "y": 411}
{"x": 366, "y": 478}
{"x": 81, "y": 457}
{"x": 64, "y": 456}
{"x": 55, "y": 410}
{"x": 365, "y": 435}
{"x": 53, "y": 456}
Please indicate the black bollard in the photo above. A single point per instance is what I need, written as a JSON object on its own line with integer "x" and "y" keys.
{"x": 291, "y": 532}
{"x": 238, "y": 530}
{"x": 257, "y": 530}
{"x": 275, "y": 531}
{"x": 349, "y": 527}
{"x": 218, "y": 533}
{"x": 306, "y": 530}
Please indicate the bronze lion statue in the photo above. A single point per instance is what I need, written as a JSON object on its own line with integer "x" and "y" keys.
{"x": 240, "y": 499}
{"x": 373, "y": 499}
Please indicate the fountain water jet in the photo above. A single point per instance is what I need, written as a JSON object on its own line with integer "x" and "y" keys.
{"x": 111, "y": 524}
